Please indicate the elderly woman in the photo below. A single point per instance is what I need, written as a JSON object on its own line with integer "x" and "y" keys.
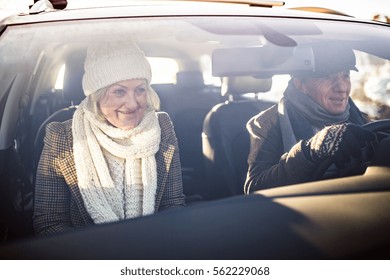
{"x": 117, "y": 158}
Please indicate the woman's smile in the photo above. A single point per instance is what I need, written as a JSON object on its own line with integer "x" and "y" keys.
{"x": 124, "y": 104}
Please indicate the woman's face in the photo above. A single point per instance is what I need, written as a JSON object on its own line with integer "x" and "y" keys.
{"x": 124, "y": 104}
{"x": 331, "y": 92}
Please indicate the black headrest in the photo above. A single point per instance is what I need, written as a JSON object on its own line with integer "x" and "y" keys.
{"x": 190, "y": 79}
{"x": 74, "y": 71}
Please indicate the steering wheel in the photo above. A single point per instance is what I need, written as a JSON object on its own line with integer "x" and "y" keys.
{"x": 381, "y": 128}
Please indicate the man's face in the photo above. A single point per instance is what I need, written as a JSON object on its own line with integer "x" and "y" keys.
{"x": 331, "y": 92}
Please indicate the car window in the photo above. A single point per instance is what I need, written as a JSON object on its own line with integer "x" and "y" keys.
{"x": 190, "y": 44}
{"x": 199, "y": 64}
{"x": 165, "y": 36}
{"x": 163, "y": 70}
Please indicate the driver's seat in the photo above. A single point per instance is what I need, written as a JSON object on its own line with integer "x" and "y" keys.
{"x": 225, "y": 140}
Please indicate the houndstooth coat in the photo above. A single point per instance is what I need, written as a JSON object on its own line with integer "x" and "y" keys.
{"x": 58, "y": 205}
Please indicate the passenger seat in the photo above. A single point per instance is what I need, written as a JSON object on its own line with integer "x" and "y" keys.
{"x": 72, "y": 92}
{"x": 187, "y": 107}
{"x": 225, "y": 140}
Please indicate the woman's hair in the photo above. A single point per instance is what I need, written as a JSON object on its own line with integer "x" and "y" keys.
{"x": 152, "y": 100}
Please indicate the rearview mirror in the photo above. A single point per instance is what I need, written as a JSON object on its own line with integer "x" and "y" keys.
{"x": 262, "y": 62}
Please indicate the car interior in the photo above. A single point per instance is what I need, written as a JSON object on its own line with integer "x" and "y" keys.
{"x": 216, "y": 141}
{"x": 210, "y": 123}
{"x": 225, "y": 140}
{"x": 215, "y": 147}
{"x": 213, "y": 152}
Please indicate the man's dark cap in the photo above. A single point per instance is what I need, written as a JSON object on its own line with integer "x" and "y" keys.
{"x": 331, "y": 59}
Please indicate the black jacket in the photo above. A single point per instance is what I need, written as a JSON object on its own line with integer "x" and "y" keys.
{"x": 269, "y": 165}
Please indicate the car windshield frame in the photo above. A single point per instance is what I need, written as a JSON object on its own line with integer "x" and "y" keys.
{"x": 234, "y": 59}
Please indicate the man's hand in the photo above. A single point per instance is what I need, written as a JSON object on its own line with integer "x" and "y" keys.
{"x": 341, "y": 142}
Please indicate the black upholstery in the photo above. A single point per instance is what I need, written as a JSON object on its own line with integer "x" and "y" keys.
{"x": 74, "y": 71}
{"x": 187, "y": 105}
{"x": 189, "y": 93}
{"x": 72, "y": 93}
{"x": 225, "y": 141}
{"x": 192, "y": 80}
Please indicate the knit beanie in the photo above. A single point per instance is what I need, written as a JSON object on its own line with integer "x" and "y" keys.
{"x": 111, "y": 62}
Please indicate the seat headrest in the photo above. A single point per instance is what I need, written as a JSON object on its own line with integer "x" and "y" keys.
{"x": 190, "y": 79}
{"x": 245, "y": 84}
{"x": 73, "y": 75}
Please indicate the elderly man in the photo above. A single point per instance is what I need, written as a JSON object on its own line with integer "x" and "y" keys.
{"x": 315, "y": 120}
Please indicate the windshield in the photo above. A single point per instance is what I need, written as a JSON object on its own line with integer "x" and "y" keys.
{"x": 226, "y": 90}
{"x": 190, "y": 43}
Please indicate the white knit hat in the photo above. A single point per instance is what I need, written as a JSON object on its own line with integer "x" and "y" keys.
{"x": 108, "y": 63}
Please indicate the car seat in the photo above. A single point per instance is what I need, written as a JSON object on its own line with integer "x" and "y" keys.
{"x": 187, "y": 107}
{"x": 225, "y": 140}
{"x": 72, "y": 92}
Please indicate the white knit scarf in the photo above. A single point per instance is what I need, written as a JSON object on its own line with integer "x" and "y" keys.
{"x": 103, "y": 200}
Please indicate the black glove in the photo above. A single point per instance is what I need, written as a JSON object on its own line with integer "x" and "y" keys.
{"x": 341, "y": 142}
